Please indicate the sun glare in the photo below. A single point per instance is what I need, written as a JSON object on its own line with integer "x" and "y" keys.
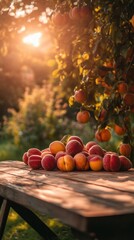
{"x": 33, "y": 39}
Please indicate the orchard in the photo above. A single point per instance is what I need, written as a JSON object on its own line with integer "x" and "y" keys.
{"x": 94, "y": 55}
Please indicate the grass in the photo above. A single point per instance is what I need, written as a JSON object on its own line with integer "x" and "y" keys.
{"x": 16, "y": 227}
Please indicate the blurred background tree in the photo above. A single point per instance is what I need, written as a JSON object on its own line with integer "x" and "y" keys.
{"x": 84, "y": 46}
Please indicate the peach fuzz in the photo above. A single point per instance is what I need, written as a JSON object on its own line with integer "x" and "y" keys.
{"x": 97, "y": 150}
{"x": 48, "y": 162}
{"x": 73, "y": 147}
{"x": 34, "y": 161}
{"x": 33, "y": 151}
{"x": 66, "y": 163}
{"x": 56, "y": 146}
{"x": 73, "y": 137}
{"x": 111, "y": 162}
{"x": 126, "y": 164}
{"x": 90, "y": 144}
{"x": 25, "y": 158}
{"x": 96, "y": 163}
{"x": 81, "y": 162}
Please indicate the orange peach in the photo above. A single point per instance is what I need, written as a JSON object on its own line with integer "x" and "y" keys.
{"x": 83, "y": 116}
{"x": 96, "y": 163}
{"x": 81, "y": 162}
{"x": 80, "y": 96}
{"x": 125, "y": 149}
{"x": 119, "y": 130}
{"x": 126, "y": 164}
{"x": 73, "y": 147}
{"x": 111, "y": 162}
{"x": 34, "y": 161}
{"x": 56, "y": 146}
{"x": 122, "y": 87}
{"x": 103, "y": 135}
{"x": 66, "y": 163}
{"x": 96, "y": 150}
{"x": 48, "y": 162}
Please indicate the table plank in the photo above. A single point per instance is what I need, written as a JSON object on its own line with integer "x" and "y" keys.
{"x": 73, "y": 197}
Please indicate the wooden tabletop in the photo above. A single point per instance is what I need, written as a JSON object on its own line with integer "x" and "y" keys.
{"x": 76, "y": 198}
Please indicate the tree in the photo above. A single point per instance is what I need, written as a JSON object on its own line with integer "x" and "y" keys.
{"x": 95, "y": 54}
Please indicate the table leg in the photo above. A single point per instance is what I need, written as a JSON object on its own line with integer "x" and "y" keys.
{"x": 34, "y": 221}
{"x": 5, "y": 207}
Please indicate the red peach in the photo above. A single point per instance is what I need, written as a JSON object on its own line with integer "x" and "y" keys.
{"x": 126, "y": 164}
{"x": 33, "y": 151}
{"x": 90, "y": 144}
{"x": 96, "y": 163}
{"x": 81, "y": 161}
{"x": 73, "y": 147}
{"x": 25, "y": 158}
{"x": 73, "y": 137}
{"x": 96, "y": 149}
{"x": 48, "y": 162}
{"x": 111, "y": 162}
{"x": 44, "y": 152}
{"x": 66, "y": 163}
{"x": 34, "y": 161}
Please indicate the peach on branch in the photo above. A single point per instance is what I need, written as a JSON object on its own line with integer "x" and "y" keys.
{"x": 83, "y": 116}
{"x": 56, "y": 146}
{"x": 111, "y": 162}
{"x": 66, "y": 163}
{"x": 80, "y": 96}
{"x": 103, "y": 135}
{"x": 81, "y": 161}
{"x": 85, "y": 13}
{"x": 119, "y": 130}
{"x": 129, "y": 99}
{"x": 96, "y": 163}
{"x": 125, "y": 149}
{"x": 33, "y": 151}
{"x": 126, "y": 164}
{"x": 122, "y": 87}
{"x": 96, "y": 150}
{"x": 73, "y": 147}
{"x": 34, "y": 161}
{"x": 25, "y": 158}
{"x": 48, "y": 162}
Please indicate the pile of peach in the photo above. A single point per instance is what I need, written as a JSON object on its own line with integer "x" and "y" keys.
{"x": 74, "y": 155}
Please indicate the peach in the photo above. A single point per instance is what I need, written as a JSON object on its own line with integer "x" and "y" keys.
{"x": 125, "y": 149}
{"x": 83, "y": 116}
{"x": 102, "y": 115}
{"x": 90, "y": 144}
{"x": 34, "y": 161}
{"x": 33, "y": 151}
{"x": 80, "y": 96}
{"x": 56, "y": 146}
{"x": 59, "y": 154}
{"x": 81, "y": 162}
{"x": 103, "y": 135}
{"x": 48, "y": 162}
{"x": 66, "y": 163}
{"x": 126, "y": 164}
{"x": 96, "y": 163}
{"x": 73, "y": 147}
{"x": 122, "y": 87}
{"x": 96, "y": 150}
{"x": 111, "y": 162}
{"x": 129, "y": 99}
{"x": 44, "y": 152}
{"x": 73, "y": 137}
{"x": 119, "y": 130}
{"x": 25, "y": 158}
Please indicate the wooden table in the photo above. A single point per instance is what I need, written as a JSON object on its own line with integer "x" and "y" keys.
{"x": 97, "y": 205}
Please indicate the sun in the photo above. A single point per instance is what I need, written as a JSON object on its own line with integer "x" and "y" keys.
{"x": 33, "y": 39}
